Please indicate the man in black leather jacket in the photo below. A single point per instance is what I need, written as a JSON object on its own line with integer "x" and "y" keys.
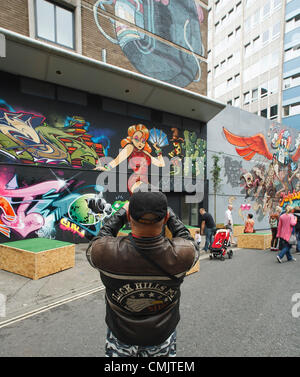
{"x": 142, "y": 274}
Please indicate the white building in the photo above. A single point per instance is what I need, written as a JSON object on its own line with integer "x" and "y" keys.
{"x": 254, "y": 57}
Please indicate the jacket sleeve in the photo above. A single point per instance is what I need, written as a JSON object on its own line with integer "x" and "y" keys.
{"x": 110, "y": 228}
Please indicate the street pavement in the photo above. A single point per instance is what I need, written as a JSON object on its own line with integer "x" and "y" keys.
{"x": 239, "y": 307}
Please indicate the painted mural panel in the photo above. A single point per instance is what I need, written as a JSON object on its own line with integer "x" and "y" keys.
{"x": 179, "y": 22}
{"x": 52, "y": 203}
{"x": 49, "y": 171}
{"x": 261, "y": 165}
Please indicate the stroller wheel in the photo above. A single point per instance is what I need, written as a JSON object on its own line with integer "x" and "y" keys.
{"x": 222, "y": 258}
{"x": 230, "y": 254}
{"x": 210, "y": 257}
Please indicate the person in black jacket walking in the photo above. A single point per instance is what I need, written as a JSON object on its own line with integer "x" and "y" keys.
{"x": 142, "y": 274}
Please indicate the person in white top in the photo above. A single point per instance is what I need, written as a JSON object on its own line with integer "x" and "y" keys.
{"x": 229, "y": 222}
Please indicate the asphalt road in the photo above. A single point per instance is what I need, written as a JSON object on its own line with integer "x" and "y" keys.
{"x": 239, "y": 307}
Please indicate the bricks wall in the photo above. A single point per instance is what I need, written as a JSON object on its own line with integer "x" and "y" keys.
{"x": 14, "y": 16}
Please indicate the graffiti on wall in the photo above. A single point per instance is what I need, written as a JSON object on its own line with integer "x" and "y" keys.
{"x": 176, "y": 21}
{"x": 276, "y": 178}
{"x": 28, "y": 138}
{"x": 57, "y": 208}
{"x": 143, "y": 147}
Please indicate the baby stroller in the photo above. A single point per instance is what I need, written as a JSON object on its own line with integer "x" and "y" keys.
{"x": 220, "y": 245}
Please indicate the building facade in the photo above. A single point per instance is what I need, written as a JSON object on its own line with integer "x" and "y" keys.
{"x": 79, "y": 81}
{"x": 253, "y": 64}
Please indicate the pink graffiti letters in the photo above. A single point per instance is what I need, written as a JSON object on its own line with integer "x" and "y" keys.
{"x": 23, "y": 222}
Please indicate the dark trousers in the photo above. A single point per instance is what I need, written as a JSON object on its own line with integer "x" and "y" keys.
{"x": 274, "y": 240}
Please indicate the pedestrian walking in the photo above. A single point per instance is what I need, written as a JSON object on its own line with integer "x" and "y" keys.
{"x": 228, "y": 223}
{"x": 285, "y": 228}
{"x": 142, "y": 274}
{"x": 208, "y": 227}
{"x": 297, "y": 228}
{"x": 273, "y": 221}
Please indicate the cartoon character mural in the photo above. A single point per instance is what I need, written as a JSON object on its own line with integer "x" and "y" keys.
{"x": 176, "y": 21}
{"x": 267, "y": 184}
{"x": 137, "y": 151}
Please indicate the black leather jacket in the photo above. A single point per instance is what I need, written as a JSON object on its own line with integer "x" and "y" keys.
{"x": 142, "y": 304}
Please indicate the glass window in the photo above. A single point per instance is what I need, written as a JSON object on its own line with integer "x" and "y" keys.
{"x": 266, "y": 9}
{"x": 246, "y": 98}
{"x": 265, "y": 36}
{"x": 45, "y": 20}
{"x": 264, "y": 90}
{"x": 286, "y": 111}
{"x": 276, "y": 30}
{"x": 273, "y": 111}
{"x": 236, "y": 102}
{"x": 54, "y": 23}
{"x": 247, "y": 49}
{"x": 254, "y": 94}
{"x": 264, "y": 113}
{"x": 277, "y": 3}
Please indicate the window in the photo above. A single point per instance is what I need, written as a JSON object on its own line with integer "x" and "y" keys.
{"x": 273, "y": 112}
{"x": 229, "y": 82}
{"x": 247, "y": 49}
{"x": 276, "y": 30}
{"x": 265, "y": 37}
{"x": 229, "y": 102}
{"x": 236, "y": 102}
{"x": 277, "y": 3}
{"x": 256, "y": 43}
{"x": 54, "y": 23}
{"x": 246, "y": 98}
{"x": 264, "y": 90}
{"x": 254, "y": 95}
{"x": 255, "y": 17}
{"x": 266, "y": 9}
{"x": 264, "y": 113}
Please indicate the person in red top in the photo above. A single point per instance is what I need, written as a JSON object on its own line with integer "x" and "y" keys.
{"x": 285, "y": 227}
{"x": 138, "y": 153}
{"x": 249, "y": 224}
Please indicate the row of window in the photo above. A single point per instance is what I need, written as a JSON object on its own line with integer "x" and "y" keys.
{"x": 292, "y": 81}
{"x": 228, "y": 17}
{"x": 292, "y": 53}
{"x": 290, "y": 110}
{"x": 265, "y": 89}
{"x": 264, "y": 64}
{"x": 260, "y": 14}
{"x": 269, "y": 112}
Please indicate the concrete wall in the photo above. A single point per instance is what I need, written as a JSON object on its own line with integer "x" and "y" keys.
{"x": 257, "y": 173}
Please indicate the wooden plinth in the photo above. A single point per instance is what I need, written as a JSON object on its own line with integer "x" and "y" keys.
{"x": 261, "y": 241}
{"x": 36, "y": 258}
{"x": 196, "y": 268}
{"x": 238, "y": 229}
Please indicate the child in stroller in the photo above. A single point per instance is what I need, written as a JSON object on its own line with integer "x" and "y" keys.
{"x": 220, "y": 245}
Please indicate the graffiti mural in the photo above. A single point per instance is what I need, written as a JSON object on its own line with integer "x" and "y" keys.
{"x": 66, "y": 207}
{"x": 276, "y": 180}
{"x": 175, "y": 21}
{"x": 187, "y": 155}
{"x": 28, "y": 138}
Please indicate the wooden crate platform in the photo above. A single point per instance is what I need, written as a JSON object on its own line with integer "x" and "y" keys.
{"x": 37, "y": 257}
{"x": 196, "y": 268}
{"x": 260, "y": 241}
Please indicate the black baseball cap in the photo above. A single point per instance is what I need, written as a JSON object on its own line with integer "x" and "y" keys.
{"x": 148, "y": 203}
